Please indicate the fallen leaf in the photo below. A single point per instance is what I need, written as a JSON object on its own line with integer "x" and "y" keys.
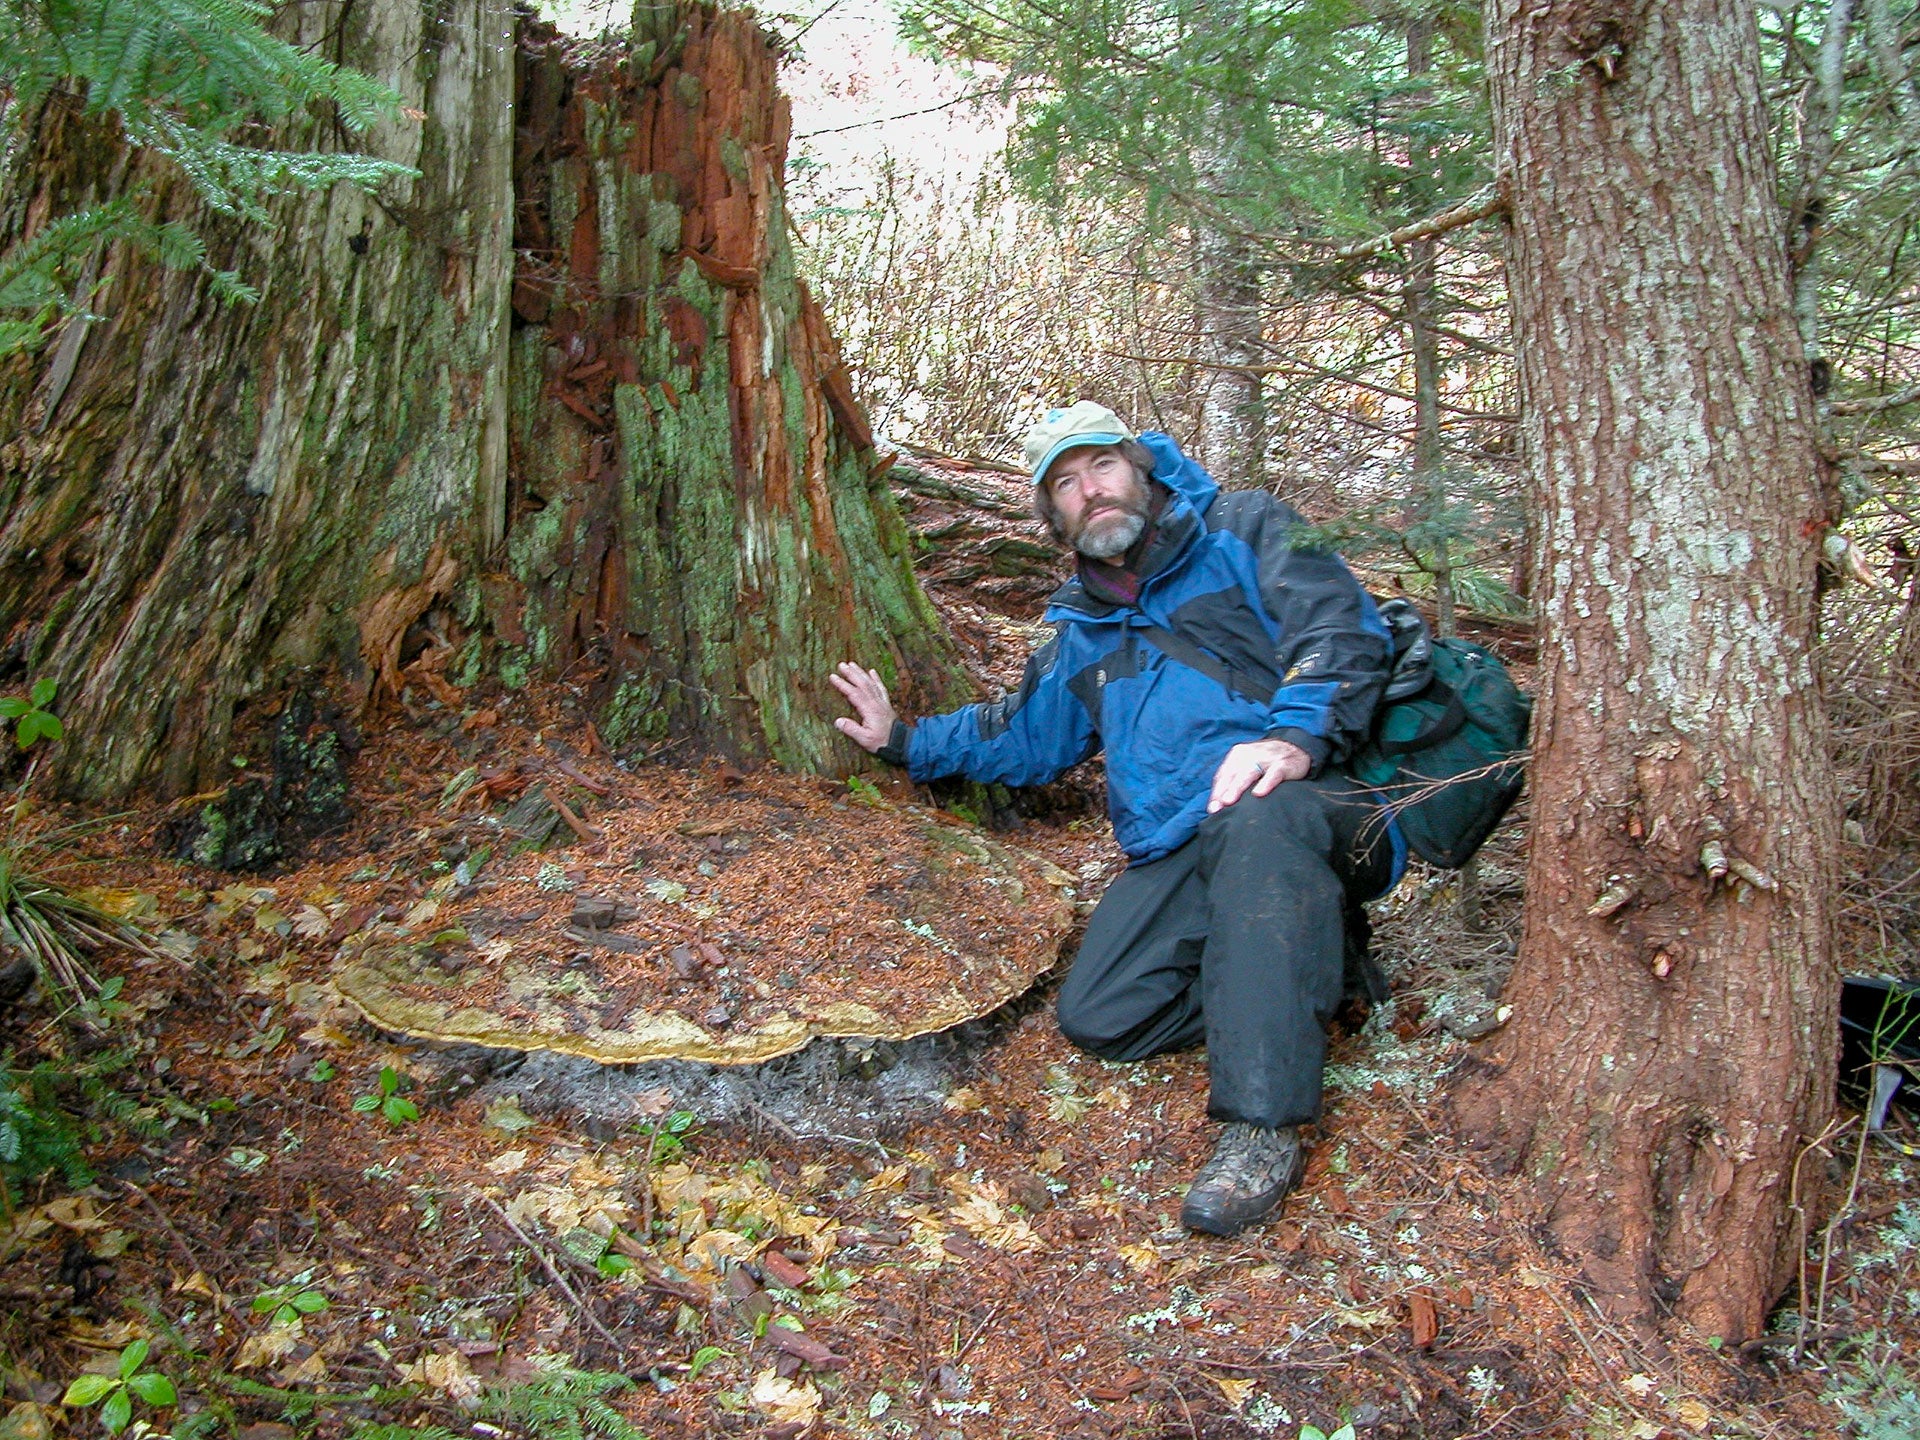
{"x": 1139, "y": 1258}
{"x": 1049, "y": 1162}
{"x": 1646, "y": 1430}
{"x": 27, "y": 1421}
{"x": 782, "y": 1271}
{"x": 1640, "y": 1385}
{"x": 74, "y": 1212}
{"x": 269, "y": 1347}
{"x": 450, "y": 1373}
{"x": 1238, "y": 1392}
{"x": 965, "y": 1100}
{"x": 310, "y": 922}
{"x": 507, "y": 1162}
{"x": 983, "y": 1215}
{"x": 788, "y": 1401}
{"x": 1692, "y": 1414}
{"x": 506, "y": 1116}
{"x": 420, "y": 913}
{"x": 310, "y": 1371}
{"x": 1364, "y": 1319}
{"x": 654, "y": 1103}
{"x": 119, "y": 904}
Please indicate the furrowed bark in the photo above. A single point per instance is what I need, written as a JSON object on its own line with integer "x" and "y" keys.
{"x": 1668, "y": 1057}
{"x": 222, "y": 496}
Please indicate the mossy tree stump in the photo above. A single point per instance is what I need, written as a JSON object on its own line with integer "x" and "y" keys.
{"x": 558, "y": 405}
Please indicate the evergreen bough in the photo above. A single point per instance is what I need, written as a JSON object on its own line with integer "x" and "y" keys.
{"x": 192, "y": 81}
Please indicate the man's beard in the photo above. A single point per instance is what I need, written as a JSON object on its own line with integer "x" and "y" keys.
{"x": 1113, "y": 529}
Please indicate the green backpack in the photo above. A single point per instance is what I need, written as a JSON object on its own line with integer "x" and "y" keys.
{"x": 1447, "y": 753}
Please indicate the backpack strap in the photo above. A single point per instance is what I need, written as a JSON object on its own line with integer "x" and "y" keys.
{"x": 1180, "y": 648}
{"x": 1445, "y": 726}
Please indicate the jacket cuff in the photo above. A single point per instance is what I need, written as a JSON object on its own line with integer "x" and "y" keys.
{"x": 1315, "y": 748}
{"x": 894, "y": 752}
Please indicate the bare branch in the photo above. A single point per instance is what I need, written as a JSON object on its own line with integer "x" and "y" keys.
{"x": 1475, "y": 207}
{"x": 1877, "y": 403}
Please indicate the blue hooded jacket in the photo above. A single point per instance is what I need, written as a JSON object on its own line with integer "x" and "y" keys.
{"x": 1220, "y": 570}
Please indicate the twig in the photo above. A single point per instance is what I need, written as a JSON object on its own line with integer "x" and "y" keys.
{"x": 574, "y": 822}
{"x": 979, "y": 1330}
{"x": 1474, "y": 207}
{"x": 553, "y": 1271}
{"x": 193, "y": 1260}
{"x": 775, "y": 1121}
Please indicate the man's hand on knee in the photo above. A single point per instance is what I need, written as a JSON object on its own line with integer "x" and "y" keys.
{"x": 1262, "y": 765}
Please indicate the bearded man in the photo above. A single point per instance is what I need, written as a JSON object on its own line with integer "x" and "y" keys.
{"x": 1226, "y": 669}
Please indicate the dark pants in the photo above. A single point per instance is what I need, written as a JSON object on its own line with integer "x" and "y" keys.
{"x": 1236, "y": 939}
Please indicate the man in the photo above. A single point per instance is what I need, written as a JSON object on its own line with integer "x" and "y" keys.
{"x": 1225, "y": 671}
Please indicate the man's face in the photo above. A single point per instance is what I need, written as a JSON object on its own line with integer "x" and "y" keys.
{"x": 1101, "y": 500}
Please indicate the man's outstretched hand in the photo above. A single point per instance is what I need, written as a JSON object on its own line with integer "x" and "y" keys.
{"x": 1262, "y": 764}
{"x": 872, "y": 724}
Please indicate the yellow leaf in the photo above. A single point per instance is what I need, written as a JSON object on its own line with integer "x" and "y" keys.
{"x": 708, "y": 1250}
{"x": 269, "y": 1347}
{"x": 310, "y": 1371}
{"x": 310, "y": 922}
{"x": 1640, "y": 1385}
{"x": 507, "y": 1162}
{"x": 965, "y": 1100}
{"x": 1365, "y": 1319}
{"x": 1692, "y": 1414}
{"x": 1049, "y": 1162}
{"x": 420, "y": 913}
{"x": 196, "y": 1284}
{"x": 1139, "y": 1258}
{"x": 1646, "y": 1430}
{"x": 119, "y": 904}
{"x": 1238, "y": 1392}
{"x": 27, "y": 1421}
{"x": 784, "y": 1401}
{"x": 74, "y": 1212}
{"x": 450, "y": 1373}
{"x": 894, "y": 1177}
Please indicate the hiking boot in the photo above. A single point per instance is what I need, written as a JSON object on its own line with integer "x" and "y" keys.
{"x": 1251, "y": 1171}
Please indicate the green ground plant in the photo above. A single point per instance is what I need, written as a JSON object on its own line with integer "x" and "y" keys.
{"x": 291, "y": 1301}
{"x": 386, "y": 1098}
{"x": 114, "y": 1394}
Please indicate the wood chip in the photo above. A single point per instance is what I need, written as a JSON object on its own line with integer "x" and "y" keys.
{"x": 783, "y": 1272}
{"x": 1128, "y": 1383}
{"x": 804, "y": 1347}
{"x": 1423, "y": 1320}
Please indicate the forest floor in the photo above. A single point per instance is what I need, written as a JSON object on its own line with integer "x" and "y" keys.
{"x": 325, "y": 1228}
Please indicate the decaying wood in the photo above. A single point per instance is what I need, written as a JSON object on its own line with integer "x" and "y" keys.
{"x": 562, "y": 406}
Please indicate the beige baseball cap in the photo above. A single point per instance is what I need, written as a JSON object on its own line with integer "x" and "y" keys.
{"x": 1085, "y": 422}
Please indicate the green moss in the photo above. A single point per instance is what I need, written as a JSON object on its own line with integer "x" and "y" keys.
{"x": 636, "y": 714}
{"x": 467, "y": 665}
{"x": 210, "y": 849}
{"x": 512, "y": 669}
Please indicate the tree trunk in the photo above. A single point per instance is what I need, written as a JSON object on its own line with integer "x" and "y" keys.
{"x": 559, "y": 405}
{"x": 1232, "y": 432}
{"x": 1673, "y": 1031}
